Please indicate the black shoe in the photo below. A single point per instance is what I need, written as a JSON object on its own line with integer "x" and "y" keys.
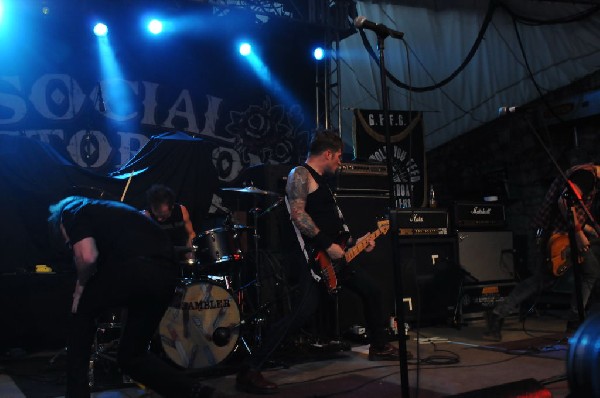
{"x": 252, "y": 381}
{"x": 387, "y": 353}
{"x": 200, "y": 390}
{"x": 493, "y": 324}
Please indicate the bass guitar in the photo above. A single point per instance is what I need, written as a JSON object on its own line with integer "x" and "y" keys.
{"x": 329, "y": 269}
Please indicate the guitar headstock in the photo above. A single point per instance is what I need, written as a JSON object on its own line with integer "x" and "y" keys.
{"x": 383, "y": 226}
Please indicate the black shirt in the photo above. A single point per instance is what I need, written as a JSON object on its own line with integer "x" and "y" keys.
{"x": 121, "y": 232}
{"x": 323, "y": 209}
{"x": 174, "y": 226}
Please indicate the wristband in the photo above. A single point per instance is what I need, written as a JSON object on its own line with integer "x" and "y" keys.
{"x": 322, "y": 241}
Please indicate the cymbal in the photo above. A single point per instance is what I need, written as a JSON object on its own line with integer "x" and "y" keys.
{"x": 251, "y": 190}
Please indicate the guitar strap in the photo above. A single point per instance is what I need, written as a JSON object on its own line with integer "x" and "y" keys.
{"x": 322, "y": 182}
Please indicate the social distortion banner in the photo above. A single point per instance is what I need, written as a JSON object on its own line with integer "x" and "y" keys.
{"x": 406, "y": 136}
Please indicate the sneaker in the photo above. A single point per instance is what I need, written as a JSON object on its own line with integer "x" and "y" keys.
{"x": 387, "y": 353}
{"x": 493, "y": 324}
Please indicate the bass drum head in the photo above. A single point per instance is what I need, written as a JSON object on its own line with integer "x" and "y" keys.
{"x": 201, "y": 327}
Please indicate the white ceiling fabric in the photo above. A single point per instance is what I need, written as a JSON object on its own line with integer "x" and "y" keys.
{"x": 440, "y": 35}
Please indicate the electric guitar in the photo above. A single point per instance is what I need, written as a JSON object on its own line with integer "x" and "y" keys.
{"x": 329, "y": 269}
{"x": 558, "y": 246}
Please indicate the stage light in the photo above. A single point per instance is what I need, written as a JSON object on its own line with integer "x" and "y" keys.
{"x": 245, "y": 49}
{"x": 319, "y": 53}
{"x": 100, "y": 29}
{"x": 155, "y": 26}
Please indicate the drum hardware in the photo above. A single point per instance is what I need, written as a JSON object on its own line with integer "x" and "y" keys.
{"x": 106, "y": 344}
{"x": 256, "y": 213}
{"x": 251, "y": 190}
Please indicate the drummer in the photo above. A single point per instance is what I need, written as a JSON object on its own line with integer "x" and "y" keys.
{"x": 173, "y": 218}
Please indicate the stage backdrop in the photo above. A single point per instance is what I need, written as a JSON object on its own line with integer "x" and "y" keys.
{"x": 406, "y": 136}
{"x": 55, "y": 90}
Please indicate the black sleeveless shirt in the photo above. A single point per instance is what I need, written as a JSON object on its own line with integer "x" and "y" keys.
{"x": 174, "y": 226}
{"x": 323, "y": 209}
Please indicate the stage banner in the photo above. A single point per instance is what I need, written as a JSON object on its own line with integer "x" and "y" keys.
{"x": 406, "y": 134}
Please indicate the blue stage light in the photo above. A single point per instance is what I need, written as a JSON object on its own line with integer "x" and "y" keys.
{"x": 245, "y": 49}
{"x": 155, "y": 26}
{"x": 319, "y": 53}
{"x": 100, "y": 29}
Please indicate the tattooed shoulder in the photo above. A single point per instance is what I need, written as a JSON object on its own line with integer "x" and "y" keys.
{"x": 297, "y": 184}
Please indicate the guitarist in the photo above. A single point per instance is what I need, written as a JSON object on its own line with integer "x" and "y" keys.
{"x": 317, "y": 222}
{"x": 552, "y": 220}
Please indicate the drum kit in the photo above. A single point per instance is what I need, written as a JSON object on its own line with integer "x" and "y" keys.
{"x": 210, "y": 315}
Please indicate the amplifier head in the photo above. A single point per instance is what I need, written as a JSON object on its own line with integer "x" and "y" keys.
{"x": 479, "y": 215}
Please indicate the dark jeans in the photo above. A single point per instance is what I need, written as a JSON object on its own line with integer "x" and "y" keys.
{"x": 306, "y": 301}
{"x": 144, "y": 287}
{"x": 543, "y": 278}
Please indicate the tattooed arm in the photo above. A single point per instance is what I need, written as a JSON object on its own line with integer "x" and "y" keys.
{"x": 299, "y": 184}
{"x": 297, "y": 190}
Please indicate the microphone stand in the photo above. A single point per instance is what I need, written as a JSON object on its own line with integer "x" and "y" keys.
{"x": 381, "y": 36}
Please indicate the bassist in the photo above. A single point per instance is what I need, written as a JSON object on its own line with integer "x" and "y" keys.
{"x": 317, "y": 222}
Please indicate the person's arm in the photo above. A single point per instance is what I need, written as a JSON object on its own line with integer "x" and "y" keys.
{"x": 85, "y": 255}
{"x": 297, "y": 190}
{"x": 583, "y": 244}
{"x": 189, "y": 229}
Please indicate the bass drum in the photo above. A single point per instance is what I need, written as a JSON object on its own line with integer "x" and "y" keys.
{"x": 201, "y": 327}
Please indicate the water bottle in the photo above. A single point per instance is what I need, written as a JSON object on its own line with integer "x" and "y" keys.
{"x": 432, "y": 201}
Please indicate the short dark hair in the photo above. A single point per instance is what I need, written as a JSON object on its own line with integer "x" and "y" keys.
{"x": 159, "y": 194}
{"x": 323, "y": 141}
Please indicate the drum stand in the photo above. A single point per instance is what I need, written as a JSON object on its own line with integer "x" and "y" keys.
{"x": 105, "y": 352}
{"x": 256, "y": 213}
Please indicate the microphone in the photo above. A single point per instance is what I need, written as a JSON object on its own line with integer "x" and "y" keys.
{"x": 505, "y": 110}
{"x": 101, "y": 106}
{"x": 361, "y": 22}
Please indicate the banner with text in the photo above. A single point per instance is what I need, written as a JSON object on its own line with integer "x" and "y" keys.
{"x": 407, "y": 138}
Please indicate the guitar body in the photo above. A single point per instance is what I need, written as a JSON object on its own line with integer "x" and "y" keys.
{"x": 329, "y": 270}
{"x": 558, "y": 246}
{"x": 326, "y": 268}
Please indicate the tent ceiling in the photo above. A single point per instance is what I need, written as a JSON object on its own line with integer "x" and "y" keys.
{"x": 468, "y": 58}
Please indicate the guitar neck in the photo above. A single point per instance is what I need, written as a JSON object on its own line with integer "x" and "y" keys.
{"x": 360, "y": 246}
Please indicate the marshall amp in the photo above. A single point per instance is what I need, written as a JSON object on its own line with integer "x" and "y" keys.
{"x": 479, "y": 215}
{"x": 419, "y": 221}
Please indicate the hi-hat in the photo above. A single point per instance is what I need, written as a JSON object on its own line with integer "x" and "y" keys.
{"x": 251, "y": 190}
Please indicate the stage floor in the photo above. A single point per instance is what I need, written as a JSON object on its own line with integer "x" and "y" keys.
{"x": 448, "y": 361}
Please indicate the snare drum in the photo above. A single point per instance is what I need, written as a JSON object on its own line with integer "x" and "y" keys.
{"x": 201, "y": 327}
{"x": 218, "y": 245}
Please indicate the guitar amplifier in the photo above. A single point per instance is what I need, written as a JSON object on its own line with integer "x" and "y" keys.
{"x": 419, "y": 221}
{"x": 368, "y": 178}
{"x": 479, "y": 215}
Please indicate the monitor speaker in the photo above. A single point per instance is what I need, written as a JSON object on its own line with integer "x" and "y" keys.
{"x": 486, "y": 255}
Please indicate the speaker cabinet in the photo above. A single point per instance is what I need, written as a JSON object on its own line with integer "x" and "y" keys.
{"x": 486, "y": 255}
{"x": 428, "y": 265}
{"x": 361, "y": 213}
{"x": 430, "y": 278}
